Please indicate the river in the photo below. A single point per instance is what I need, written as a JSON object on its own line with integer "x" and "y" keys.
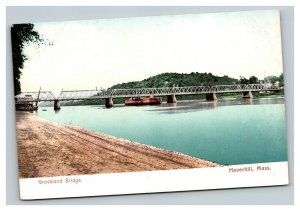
{"x": 228, "y": 132}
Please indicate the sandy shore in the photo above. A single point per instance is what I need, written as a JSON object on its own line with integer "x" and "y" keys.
{"x": 50, "y": 149}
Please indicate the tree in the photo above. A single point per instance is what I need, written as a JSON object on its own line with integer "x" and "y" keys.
{"x": 243, "y": 80}
{"x": 22, "y": 34}
{"x": 253, "y": 80}
{"x": 271, "y": 79}
{"x": 281, "y": 80}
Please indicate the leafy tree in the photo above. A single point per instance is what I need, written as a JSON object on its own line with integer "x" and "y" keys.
{"x": 271, "y": 79}
{"x": 243, "y": 80}
{"x": 22, "y": 34}
{"x": 281, "y": 80}
{"x": 253, "y": 80}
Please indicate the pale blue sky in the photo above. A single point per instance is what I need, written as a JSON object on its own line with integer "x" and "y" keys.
{"x": 105, "y": 52}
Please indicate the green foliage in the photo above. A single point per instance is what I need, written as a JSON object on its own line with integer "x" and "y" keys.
{"x": 281, "y": 80}
{"x": 178, "y": 80}
{"x": 253, "y": 80}
{"x": 279, "y": 93}
{"x": 22, "y": 34}
{"x": 271, "y": 79}
{"x": 243, "y": 80}
{"x": 274, "y": 79}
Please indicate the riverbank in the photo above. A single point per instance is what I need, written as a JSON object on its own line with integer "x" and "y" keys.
{"x": 48, "y": 149}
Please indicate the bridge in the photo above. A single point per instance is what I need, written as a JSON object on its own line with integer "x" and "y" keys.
{"x": 171, "y": 92}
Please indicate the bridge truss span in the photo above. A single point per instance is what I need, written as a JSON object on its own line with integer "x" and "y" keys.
{"x": 189, "y": 90}
{"x": 35, "y": 96}
{"x": 143, "y": 92}
{"x": 80, "y": 95}
{"x": 162, "y": 91}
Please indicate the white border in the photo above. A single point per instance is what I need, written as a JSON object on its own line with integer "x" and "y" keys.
{"x": 235, "y": 176}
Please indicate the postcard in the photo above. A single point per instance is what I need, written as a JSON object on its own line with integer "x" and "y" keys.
{"x": 149, "y": 104}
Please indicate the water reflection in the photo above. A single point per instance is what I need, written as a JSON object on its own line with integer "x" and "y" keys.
{"x": 196, "y": 105}
{"x": 172, "y": 104}
{"x": 248, "y": 101}
{"x": 193, "y": 106}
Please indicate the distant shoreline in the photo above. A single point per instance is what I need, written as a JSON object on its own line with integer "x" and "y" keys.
{"x": 47, "y": 149}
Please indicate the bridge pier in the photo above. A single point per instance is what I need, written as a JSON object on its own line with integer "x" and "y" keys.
{"x": 56, "y": 105}
{"x": 109, "y": 102}
{"x": 171, "y": 99}
{"x": 247, "y": 94}
{"x": 211, "y": 96}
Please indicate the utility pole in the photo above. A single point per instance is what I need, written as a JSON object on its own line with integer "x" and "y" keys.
{"x": 38, "y": 97}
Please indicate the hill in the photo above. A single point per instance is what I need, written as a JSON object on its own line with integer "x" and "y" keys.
{"x": 179, "y": 80}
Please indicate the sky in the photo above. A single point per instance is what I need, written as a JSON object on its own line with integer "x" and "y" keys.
{"x": 105, "y": 52}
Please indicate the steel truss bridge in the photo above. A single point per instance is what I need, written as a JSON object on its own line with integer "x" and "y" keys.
{"x": 141, "y": 92}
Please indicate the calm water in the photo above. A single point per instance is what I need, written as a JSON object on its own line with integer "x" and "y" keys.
{"x": 226, "y": 132}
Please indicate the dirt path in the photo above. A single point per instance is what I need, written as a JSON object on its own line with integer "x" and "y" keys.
{"x": 50, "y": 149}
